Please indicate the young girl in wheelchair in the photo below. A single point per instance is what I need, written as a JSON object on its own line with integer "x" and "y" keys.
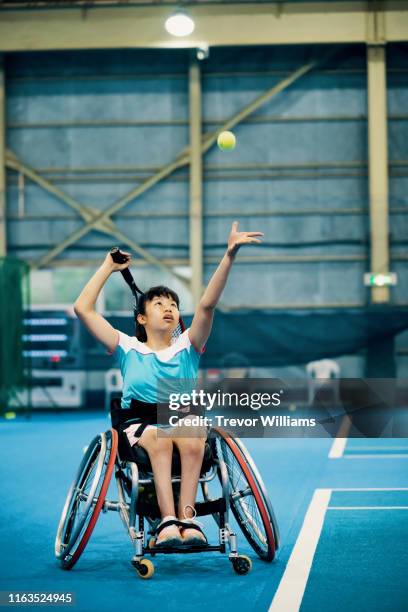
{"x": 150, "y": 356}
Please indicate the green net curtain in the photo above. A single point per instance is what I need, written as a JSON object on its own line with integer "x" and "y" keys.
{"x": 14, "y": 299}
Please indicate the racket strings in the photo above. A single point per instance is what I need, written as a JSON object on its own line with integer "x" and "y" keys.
{"x": 178, "y": 331}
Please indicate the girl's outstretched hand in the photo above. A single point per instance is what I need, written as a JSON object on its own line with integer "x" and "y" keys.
{"x": 116, "y": 267}
{"x": 237, "y": 239}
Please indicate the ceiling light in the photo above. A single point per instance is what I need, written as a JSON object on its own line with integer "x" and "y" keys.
{"x": 179, "y": 24}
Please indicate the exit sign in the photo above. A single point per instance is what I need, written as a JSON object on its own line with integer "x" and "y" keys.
{"x": 387, "y": 279}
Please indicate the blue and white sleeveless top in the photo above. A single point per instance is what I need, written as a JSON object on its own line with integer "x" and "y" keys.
{"x": 142, "y": 368}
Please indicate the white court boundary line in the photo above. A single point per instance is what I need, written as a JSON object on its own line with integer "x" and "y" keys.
{"x": 337, "y": 448}
{"x": 371, "y": 448}
{"x": 369, "y": 489}
{"x": 367, "y": 508}
{"x": 377, "y": 456}
{"x": 339, "y": 443}
{"x": 289, "y": 594}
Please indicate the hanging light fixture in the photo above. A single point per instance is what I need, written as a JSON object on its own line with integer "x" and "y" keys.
{"x": 179, "y": 24}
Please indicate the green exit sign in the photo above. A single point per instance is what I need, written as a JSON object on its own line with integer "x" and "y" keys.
{"x": 387, "y": 279}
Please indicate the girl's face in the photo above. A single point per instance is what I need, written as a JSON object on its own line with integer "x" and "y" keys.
{"x": 161, "y": 314}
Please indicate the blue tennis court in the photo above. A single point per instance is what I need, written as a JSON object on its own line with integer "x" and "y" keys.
{"x": 208, "y": 196}
{"x": 344, "y": 528}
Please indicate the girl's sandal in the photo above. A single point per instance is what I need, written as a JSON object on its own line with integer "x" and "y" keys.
{"x": 193, "y": 540}
{"x": 173, "y": 538}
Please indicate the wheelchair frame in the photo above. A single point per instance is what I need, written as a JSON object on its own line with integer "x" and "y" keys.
{"x": 103, "y": 458}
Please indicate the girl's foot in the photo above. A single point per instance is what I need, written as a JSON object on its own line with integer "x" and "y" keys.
{"x": 168, "y": 533}
{"x": 191, "y": 530}
{"x": 192, "y": 533}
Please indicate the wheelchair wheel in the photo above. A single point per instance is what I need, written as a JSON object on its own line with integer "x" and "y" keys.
{"x": 85, "y": 498}
{"x": 248, "y": 499}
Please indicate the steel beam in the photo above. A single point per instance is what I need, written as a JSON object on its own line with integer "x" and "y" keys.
{"x": 289, "y": 212}
{"x": 181, "y": 160}
{"x": 87, "y": 213}
{"x": 216, "y": 25}
{"x": 3, "y": 234}
{"x": 196, "y": 177}
{"x": 378, "y": 168}
{"x": 214, "y": 260}
{"x": 104, "y": 225}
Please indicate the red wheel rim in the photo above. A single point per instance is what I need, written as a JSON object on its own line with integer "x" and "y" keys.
{"x": 98, "y": 506}
{"x": 255, "y": 491}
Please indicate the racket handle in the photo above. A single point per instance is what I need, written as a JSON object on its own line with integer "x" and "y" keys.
{"x": 120, "y": 258}
{"x": 127, "y": 276}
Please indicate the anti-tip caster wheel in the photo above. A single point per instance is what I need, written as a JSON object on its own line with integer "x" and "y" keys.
{"x": 242, "y": 564}
{"x": 145, "y": 568}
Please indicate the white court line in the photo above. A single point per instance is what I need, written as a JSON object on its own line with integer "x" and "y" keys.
{"x": 377, "y": 456}
{"x": 370, "y": 489}
{"x": 371, "y": 448}
{"x": 368, "y": 508}
{"x": 289, "y": 594}
{"x": 337, "y": 448}
{"x": 339, "y": 443}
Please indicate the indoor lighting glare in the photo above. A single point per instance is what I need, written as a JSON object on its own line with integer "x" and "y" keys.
{"x": 180, "y": 24}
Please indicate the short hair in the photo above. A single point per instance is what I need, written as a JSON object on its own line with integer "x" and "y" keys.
{"x": 158, "y": 291}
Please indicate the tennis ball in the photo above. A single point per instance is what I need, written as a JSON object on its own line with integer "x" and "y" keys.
{"x": 9, "y": 415}
{"x": 226, "y": 141}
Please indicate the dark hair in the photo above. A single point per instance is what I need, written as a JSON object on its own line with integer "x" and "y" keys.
{"x": 153, "y": 292}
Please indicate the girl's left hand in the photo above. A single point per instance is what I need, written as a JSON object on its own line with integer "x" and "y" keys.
{"x": 236, "y": 239}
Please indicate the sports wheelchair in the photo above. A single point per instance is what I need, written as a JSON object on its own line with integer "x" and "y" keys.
{"x": 226, "y": 460}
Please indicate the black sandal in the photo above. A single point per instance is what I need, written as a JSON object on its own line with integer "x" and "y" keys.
{"x": 193, "y": 541}
{"x": 172, "y": 541}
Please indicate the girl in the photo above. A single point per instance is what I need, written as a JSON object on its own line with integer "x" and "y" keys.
{"x": 151, "y": 355}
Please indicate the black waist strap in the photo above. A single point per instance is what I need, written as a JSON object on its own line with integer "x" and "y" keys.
{"x": 139, "y": 412}
{"x": 142, "y": 412}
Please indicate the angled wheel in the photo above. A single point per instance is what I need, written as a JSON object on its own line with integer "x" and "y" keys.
{"x": 249, "y": 502}
{"x": 85, "y": 498}
{"x": 242, "y": 564}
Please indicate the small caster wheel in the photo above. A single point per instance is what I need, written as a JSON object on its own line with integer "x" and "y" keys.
{"x": 145, "y": 568}
{"x": 242, "y": 564}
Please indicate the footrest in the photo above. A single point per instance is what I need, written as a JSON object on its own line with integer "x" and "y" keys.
{"x": 183, "y": 549}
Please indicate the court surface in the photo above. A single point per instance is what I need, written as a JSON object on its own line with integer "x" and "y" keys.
{"x": 343, "y": 524}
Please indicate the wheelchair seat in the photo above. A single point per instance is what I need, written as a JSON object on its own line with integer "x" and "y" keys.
{"x": 139, "y": 455}
{"x": 141, "y": 458}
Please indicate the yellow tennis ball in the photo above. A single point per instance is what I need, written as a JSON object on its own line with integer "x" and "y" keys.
{"x": 9, "y": 415}
{"x": 226, "y": 141}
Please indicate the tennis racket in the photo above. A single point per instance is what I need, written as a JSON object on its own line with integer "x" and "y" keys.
{"x": 119, "y": 257}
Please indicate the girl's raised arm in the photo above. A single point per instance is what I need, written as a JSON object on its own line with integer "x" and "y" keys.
{"x": 203, "y": 318}
{"x": 99, "y": 327}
